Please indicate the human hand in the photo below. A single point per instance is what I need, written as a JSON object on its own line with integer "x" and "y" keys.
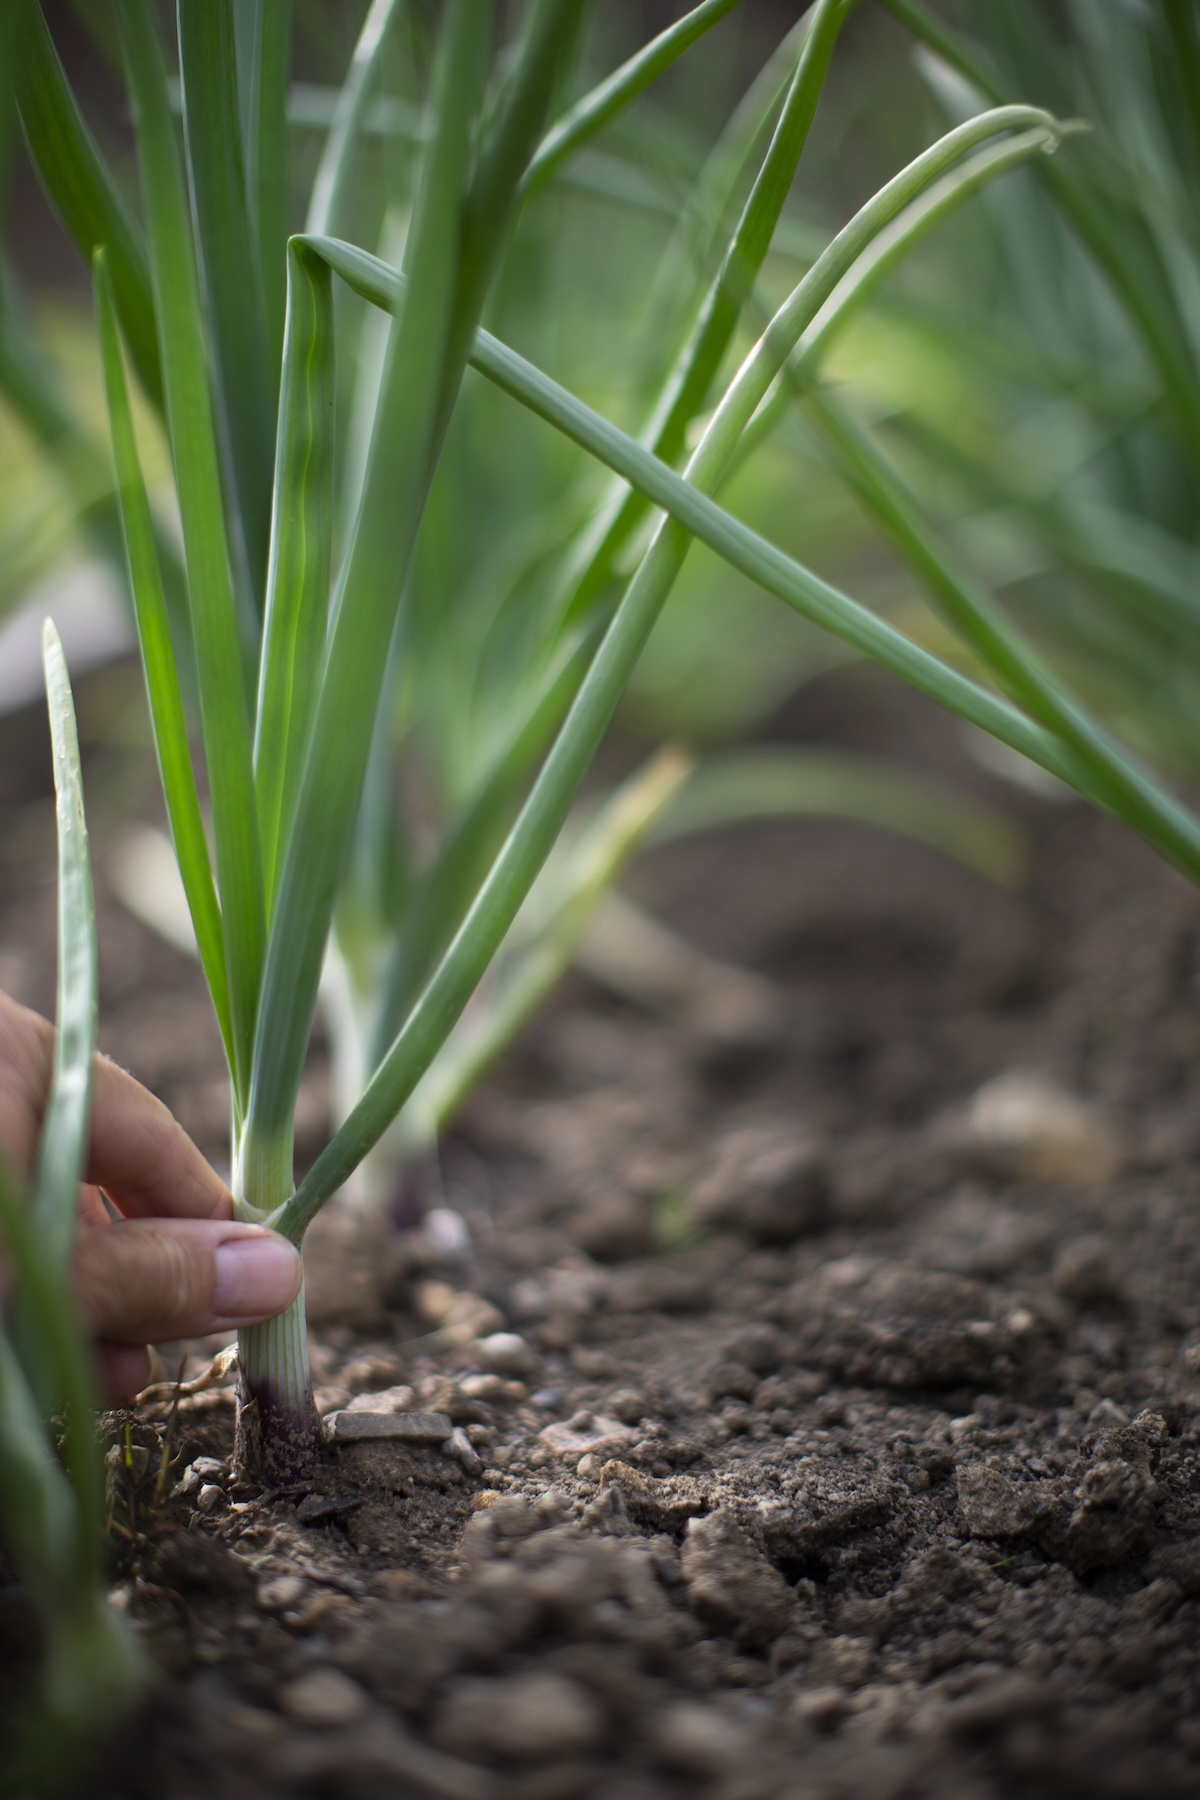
{"x": 176, "y": 1264}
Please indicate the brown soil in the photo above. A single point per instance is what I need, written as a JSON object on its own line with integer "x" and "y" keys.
{"x": 850, "y": 1445}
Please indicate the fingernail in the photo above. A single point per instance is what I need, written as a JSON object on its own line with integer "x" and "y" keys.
{"x": 257, "y": 1276}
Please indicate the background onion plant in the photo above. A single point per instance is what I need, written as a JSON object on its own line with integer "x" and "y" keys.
{"x": 1053, "y": 448}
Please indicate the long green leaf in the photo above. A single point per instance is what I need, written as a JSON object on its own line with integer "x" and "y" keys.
{"x": 49, "y": 1344}
{"x": 158, "y": 665}
{"x": 601, "y": 104}
{"x": 301, "y": 551}
{"x": 220, "y": 663}
{"x": 63, "y": 1150}
{"x": 41, "y": 1236}
{"x": 369, "y": 588}
{"x": 230, "y": 267}
{"x": 85, "y": 196}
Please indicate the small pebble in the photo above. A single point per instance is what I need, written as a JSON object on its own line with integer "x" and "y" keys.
{"x": 202, "y": 1469}
{"x": 1024, "y": 1123}
{"x": 407, "y": 1428}
{"x": 482, "y": 1387}
{"x": 209, "y": 1498}
{"x": 323, "y": 1699}
{"x": 447, "y": 1233}
{"x": 280, "y": 1592}
{"x": 547, "y": 1398}
{"x": 505, "y": 1353}
{"x": 434, "y": 1301}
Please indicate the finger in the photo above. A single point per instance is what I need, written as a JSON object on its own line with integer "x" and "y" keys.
{"x": 124, "y": 1371}
{"x": 153, "y": 1280}
{"x": 137, "y": 1152}
{"x": 26, "y": 1059}
{"x": 143, "y": 1159}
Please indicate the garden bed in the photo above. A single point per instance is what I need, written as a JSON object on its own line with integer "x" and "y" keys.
{"x": 893, "y": 1494}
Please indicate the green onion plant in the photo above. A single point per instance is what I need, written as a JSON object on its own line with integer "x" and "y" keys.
{"x": 313, "y": 635}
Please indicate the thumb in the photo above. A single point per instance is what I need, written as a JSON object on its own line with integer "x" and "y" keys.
{"x": 143, "y": 1281}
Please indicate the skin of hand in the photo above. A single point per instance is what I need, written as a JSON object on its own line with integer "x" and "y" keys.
{"x": 175, "y": 1264}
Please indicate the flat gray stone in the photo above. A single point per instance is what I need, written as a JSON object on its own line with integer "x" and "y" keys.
{"x": 403, "y": 1428}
